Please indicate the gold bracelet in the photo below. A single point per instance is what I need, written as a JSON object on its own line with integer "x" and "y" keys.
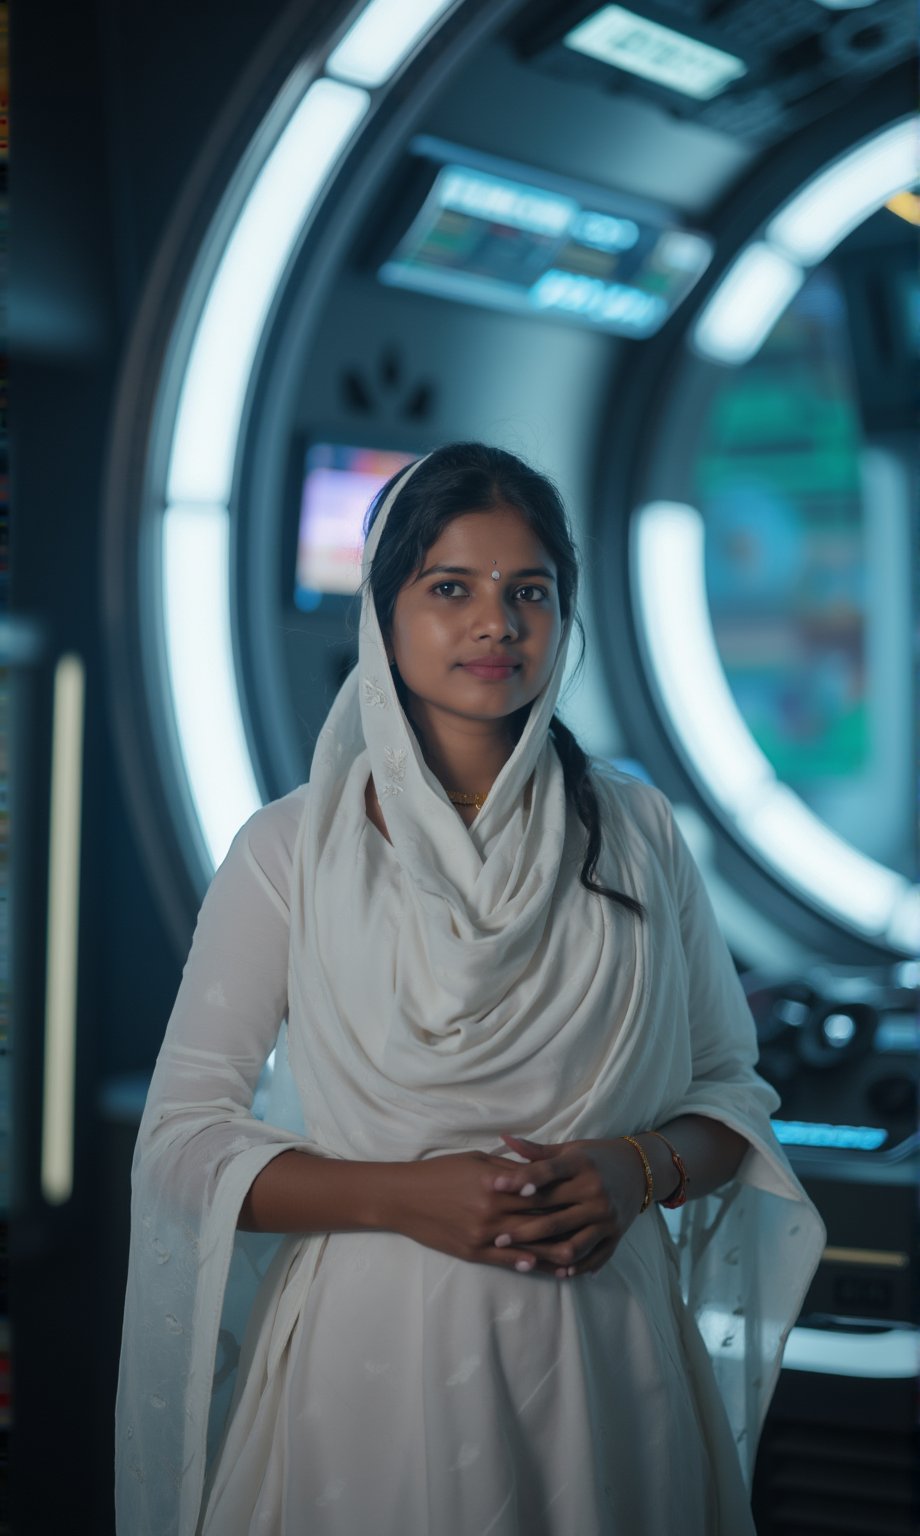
{"x": 679, "y": 1196}
{"x": 649, "y": 1181}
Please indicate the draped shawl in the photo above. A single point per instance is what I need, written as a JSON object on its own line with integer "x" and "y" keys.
{"x": 456, "y": 984}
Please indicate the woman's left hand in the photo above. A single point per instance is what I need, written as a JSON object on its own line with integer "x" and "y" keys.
{"x": 584, "y": 1196}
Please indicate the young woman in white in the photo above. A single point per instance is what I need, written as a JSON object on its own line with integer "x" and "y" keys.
{"x": 516, "y": 1036}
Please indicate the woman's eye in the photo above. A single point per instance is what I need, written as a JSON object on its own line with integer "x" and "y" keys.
{"x": 541, "y": 591}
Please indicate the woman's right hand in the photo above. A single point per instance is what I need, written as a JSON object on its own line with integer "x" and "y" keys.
{"x": 449, "y": 1203}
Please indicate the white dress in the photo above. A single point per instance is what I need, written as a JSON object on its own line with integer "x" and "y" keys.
{"x": 386, "y": 1388}
{"x": 417, "y": 1393}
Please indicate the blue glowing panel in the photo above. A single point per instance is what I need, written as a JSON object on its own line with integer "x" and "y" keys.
{"x": 339, "y": 484}
{"x": 809, "y": 1133}
{"x": 484, "y": 238}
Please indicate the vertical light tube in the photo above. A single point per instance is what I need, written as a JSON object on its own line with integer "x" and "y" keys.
{"x": 57, "y": 1155}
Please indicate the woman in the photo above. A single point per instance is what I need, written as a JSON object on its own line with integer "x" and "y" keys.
{"x": 516, "y": 1034}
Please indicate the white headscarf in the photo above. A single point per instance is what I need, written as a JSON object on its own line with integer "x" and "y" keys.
{"x": 490, "y": 883}
{"x": 459, "y": 983}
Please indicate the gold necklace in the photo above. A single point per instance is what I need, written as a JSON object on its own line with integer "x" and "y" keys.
{"x": 461, "y": 797}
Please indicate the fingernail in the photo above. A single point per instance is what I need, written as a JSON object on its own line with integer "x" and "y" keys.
{"x": 561, "y": 1273}
{"x": 571, "y": 1269}
{"x": 503, "y": 1240}
{"x": 524, "y": 1264}
{"x": 502, "y": 1183}
{"x": 529, "y": 1189}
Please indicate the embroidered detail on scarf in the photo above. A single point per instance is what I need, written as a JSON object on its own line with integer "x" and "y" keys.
{"x": 373, "y": 693}
{"x": 395, "y": 758}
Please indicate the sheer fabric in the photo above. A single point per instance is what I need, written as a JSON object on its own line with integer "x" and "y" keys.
{"x": 439, "y": 990}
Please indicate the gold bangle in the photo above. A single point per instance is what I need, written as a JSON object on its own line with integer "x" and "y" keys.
{"x": 679, "y": 1197}
{"x": 649, "y": 1181}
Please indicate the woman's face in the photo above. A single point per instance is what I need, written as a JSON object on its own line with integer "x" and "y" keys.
{"x": 445, "y": 619}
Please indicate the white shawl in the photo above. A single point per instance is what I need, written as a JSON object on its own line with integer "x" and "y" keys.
{"x": 479, "y": 987}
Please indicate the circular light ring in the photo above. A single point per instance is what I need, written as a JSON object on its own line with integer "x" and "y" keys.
{"x": 675, "y": 632}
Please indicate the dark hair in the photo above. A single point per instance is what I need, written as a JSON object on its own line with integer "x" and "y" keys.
{"x": 465, "y": 477}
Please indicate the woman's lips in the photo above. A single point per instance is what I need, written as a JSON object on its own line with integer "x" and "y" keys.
{"x": 491, "y": 673}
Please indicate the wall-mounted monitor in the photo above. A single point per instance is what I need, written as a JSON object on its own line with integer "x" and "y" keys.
{"x": 492, "y": 232}
{"x": 338, "y": 483}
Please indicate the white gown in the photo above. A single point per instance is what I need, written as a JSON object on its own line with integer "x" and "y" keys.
{"x": 418, "y": 1393}
{"x": 389, "y": 1390}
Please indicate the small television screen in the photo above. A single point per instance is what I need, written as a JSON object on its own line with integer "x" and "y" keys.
{"x": 338, "y": 485}
{"x": 486, "y": 235}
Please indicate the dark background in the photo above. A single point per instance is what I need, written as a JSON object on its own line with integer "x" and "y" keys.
{"x": 111, "y": 104}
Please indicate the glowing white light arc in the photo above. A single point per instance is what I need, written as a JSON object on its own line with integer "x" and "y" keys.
{"x": 745, "y": 307}
{"x": 199, "y": 655}
{"x": 670, "y": 583}
{"x": 766, "y": 275}
{"x": 668, "y": 551}
{"x": 382, "y": 38}
{"x": 247, "y": 278}
{"x": 833, "y": 204}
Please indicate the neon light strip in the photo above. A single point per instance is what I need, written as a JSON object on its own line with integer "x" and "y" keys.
{"x": 809, "y": 1133}
{"x": 57, "y": 1155}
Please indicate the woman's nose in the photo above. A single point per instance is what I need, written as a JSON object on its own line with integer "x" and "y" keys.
{"x": 496, "y": 618}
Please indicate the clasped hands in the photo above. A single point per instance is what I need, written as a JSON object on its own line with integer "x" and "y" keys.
{"x": 561, "y": 1212}
{"x": 572, "y": 1203}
